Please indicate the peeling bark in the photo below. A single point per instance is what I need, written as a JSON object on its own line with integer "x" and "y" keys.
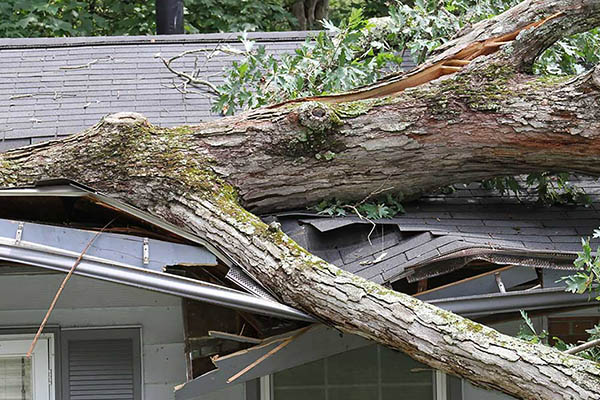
{"x": 488, "y": 119}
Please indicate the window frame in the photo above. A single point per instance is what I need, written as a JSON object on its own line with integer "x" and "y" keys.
{"x": 52, "y": 333}
{"x": 439, "y": 384}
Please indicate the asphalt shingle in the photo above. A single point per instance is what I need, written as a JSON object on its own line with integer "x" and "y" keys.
{"x": 453, "y": 224}
{"x": 60, "y": 86}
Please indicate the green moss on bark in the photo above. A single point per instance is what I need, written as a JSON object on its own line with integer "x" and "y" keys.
{"x": 8, "y": 176}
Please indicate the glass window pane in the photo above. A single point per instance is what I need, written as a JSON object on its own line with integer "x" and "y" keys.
{"x": 15, "y": 378}
{"x": 309, "y": 374}
{"x": 353, "y": 393}
{"x": 367, "y": 373}
{"x": 397, "y": 367}
{"x": 300, "y": 394}
{"x": 353, "y": 367}
{"x": 407, "y": 392}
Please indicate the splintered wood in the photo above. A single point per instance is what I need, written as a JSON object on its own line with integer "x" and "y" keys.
{"x": 398, "y": 82}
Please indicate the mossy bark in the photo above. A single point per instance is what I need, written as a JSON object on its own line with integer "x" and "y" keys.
{"x": 488, "y": 120}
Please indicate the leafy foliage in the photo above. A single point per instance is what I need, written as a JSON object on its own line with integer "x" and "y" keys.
{"x": 387, "y": 206}
{"x": 236, "y": 16}
{"x": 331, "y": 61}
{"x": 549, "y": 188}
{"x": 45, "y": 18}
{"x": 570, "y": 56}
{"x": 340, "y": 9}
{"x": 587, "y": 279}
{"x": 528, "y": 333}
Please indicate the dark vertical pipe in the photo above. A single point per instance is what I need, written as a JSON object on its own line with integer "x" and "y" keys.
{"x": 169, "y": 17}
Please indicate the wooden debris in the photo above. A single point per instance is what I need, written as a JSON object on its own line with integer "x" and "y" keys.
{"x": 274, "y": 350}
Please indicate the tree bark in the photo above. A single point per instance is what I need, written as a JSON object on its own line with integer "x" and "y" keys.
{"x": 309, "y": 13}
{"x": 488, "y": 119}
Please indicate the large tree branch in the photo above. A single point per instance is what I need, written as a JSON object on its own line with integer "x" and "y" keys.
{"x": 165, "y": 172}
{"x": 475, "y": 125}
{"x": 485, "y": 120}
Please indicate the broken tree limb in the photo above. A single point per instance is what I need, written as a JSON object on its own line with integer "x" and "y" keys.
{"x": 193, "y": 78}
{"x": 62, "y": 287}
{"x": 448, "y": 64}
{"x": 489, "y": 119}
{"x": 583, "y": 347}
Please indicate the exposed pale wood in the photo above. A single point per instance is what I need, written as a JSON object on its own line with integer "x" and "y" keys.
{"x": 499, "y": 282}
{"x": 469, "y": 279}
{"x": 268, "y": 354}
{"x": 583, "y": 347}
{"x": 449, "y": 70}
{"x": 496, "y": 44}
{"x": 456, "y": 62}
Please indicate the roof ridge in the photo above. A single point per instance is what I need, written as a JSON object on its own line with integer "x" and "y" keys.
{"x": 84, "y": 41}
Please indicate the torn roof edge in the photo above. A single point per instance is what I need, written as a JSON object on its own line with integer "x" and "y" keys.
{"x": 16, "y": 249}
{"x": 66, "y": 187}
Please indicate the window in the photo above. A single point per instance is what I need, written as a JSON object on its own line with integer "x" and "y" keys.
{"x": 368, "y": 373}
{"x": 23, "y": 378}
{"x": 93, "y": 364}
{"x": 571, "y": 329}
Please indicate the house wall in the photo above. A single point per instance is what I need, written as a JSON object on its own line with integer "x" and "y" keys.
{"x": 85, "y": 302}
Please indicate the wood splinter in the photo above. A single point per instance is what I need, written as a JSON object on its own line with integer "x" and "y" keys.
{"x": 274, "y": 350}
{"x": 397, "y": 83}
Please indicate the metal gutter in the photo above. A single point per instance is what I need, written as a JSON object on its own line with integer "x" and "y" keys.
{"x": 73, "y": 189}
{"x": 480, "y": 305}
{"x": 145, "y": 253}
{"x": 69, "y": 188}
{"x": 57, "y": 259}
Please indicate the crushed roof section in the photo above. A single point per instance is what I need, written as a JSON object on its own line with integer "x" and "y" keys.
{"x": 53, "y": 87}
{"x": 446, "y": 231}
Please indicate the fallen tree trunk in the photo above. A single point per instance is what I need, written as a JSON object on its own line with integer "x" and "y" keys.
{"x": 487, "y": 119}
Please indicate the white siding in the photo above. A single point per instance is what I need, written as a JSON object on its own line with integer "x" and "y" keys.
{"x": 85, "y": 302}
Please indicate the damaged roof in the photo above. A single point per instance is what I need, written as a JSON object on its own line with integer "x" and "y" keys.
{"x": 443, "y": 232}
{"x": 135, "y": 260}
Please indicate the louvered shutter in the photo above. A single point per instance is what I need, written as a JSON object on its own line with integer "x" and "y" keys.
{"x": 101, "y": 364}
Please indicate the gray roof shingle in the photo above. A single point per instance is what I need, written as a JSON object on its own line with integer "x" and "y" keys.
{"x": 444, "y": 226}
{"x": 53, "y": 87}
